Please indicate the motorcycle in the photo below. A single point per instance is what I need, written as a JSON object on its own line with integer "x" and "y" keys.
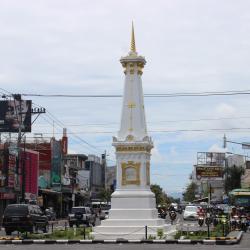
{"x": 215, "y": 220}
{"x": 201, "y": 220}
{"x": 244, "y": 223}
{"x": 235, "y": 222}
{"x": 172, "y": 215}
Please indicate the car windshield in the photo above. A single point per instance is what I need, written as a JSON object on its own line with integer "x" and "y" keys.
{"x": 78, "y": 210}
{"x": 16, "y": 210}
{"x": 191, "y": 209}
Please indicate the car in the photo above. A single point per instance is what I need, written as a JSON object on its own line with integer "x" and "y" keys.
{"x": 81, "y": 215}
{"x": 24, "y": 218}
{"x": 190, "y": 213}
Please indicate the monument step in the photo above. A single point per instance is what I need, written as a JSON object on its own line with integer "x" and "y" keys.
{"x": 133, "y": 213}
{"x": 133, "y": 222}
{"x": 127, "y": 229}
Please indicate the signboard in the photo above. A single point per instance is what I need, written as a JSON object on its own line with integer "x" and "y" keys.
{"x": 247, "y": 164}
{"x": 30, "y": 159}
{"x": 7, "y": 196}
{"x": 209, "y": 172}
{"x": 56, "y": 163}
{"x": 2, "y": 169}
{"x": 11, "y": 170}
{"x": 245, "y": 145}
{"x": 14, "y": 113}
{"x": 83, "y": 177}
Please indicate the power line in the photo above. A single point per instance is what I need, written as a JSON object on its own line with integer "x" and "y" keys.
{"x": 157, "y": 122}
{"x": 165, "y": 95}
{"x": 162, "y": 131}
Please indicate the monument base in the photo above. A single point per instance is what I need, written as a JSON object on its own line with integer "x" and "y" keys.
{"x": 133, "y": 216}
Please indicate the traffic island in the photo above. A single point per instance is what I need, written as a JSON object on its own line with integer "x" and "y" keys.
{"x": 234, "y": 239}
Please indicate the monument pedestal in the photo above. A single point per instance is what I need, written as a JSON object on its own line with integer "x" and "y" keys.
{"x": 131, "y": 212}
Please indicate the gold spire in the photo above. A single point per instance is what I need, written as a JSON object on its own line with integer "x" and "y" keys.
{"x": 133, "y": 48}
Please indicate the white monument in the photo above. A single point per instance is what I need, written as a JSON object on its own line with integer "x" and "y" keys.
{"x": 133, "y": 204}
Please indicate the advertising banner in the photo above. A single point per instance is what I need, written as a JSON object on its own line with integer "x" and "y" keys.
{"x": 83, "y": 177}
{"x": 56, "y": 163}
{"x": 209, "y": 172}
{"x": 31, "y": 163}
{"x": 13, "y": 114}
{"x": 2, "y": 169}
{"x": 11, "y": 170}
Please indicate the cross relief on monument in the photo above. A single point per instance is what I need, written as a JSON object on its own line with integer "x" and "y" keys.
{"x": 131, "y": 106}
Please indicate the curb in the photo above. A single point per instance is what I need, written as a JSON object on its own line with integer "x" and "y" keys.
{"x": 210, "y": 241}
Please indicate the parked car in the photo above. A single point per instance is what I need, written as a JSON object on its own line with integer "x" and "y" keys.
{"x": 24, "y": 218}
{"x": 190, "y": 213}
{"x": 81, "y": 215}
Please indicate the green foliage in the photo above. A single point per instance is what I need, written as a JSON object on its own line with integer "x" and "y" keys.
{"x": 161, "y": 197}
{"x": 68, "y": 234}
{"x": 151, "y": 237}
{"x": 233, "y": 177}
{"x": 105, "y": 195}
{"x": 160, "y": 233}
{"x": 189, "y": 194}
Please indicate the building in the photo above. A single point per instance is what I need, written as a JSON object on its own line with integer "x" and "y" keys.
{"x": 71, "y": 186}
{"x": 9, "y": 177}
{"x": 245, "y": 180}
{"x": 18, "y": 178}
{"x": 96, "y": 167}
{"x": 208, "y": 175}
{"x": 110, "y": 180}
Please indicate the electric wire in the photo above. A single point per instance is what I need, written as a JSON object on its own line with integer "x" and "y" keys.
{"x": 168, "y": 95}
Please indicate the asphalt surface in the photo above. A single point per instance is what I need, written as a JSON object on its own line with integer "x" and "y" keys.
{"x": 182, "y": 225}
{"x": 244, "y": 245}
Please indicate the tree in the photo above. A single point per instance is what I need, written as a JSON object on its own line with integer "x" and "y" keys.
{"x": 160, "y": 196}
{"x": 189, "y": 194}
{"x": 233, "y": 177}
{"x": 157, "y": 190}
{"x": 105, "y": 195}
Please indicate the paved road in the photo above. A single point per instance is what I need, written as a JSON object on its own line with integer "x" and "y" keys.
{"x": 245, "y": 243}
{"x": 60, "y": 224}
{"x": 182, "y": 225}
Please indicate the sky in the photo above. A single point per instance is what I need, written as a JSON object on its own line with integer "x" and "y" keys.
{"x": 74, "y": 46}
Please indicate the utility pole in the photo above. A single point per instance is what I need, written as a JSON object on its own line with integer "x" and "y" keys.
{"x": 18, "y": 98}
{"x": 23, "y": 170}
{"x": 224, "y": 141}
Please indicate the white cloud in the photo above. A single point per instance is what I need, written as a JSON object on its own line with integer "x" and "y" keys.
{"x": 217, "y": 149}
{"x": 225, "y": 110}
{"x": 74, "y": 47}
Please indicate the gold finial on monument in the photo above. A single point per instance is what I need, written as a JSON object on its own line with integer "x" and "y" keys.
{"x": 133, "y": 48}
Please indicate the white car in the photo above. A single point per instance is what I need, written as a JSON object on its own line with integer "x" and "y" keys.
{"x": 190, "y": 213}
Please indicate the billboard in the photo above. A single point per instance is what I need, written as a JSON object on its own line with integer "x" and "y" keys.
{"x": 209, "y": 172}
{"x": 14, "y": 113}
